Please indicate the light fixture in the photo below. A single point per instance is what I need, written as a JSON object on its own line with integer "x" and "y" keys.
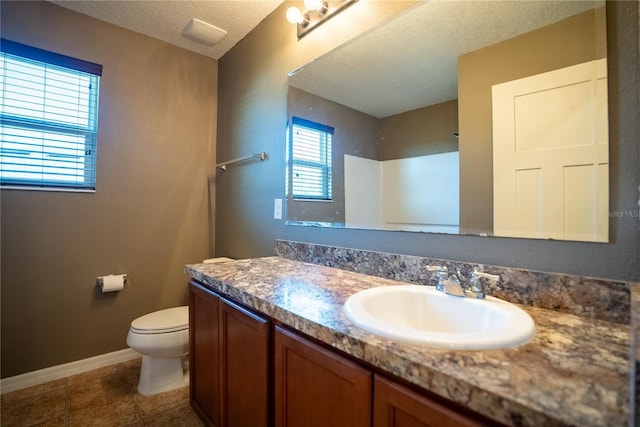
{"x": 318, "y": 11}
{"x": 318, "y": 5}
{"x": 294, "y": 16}
{"x": 203, "y": 32}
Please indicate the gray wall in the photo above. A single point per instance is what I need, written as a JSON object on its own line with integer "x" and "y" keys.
{"x": 253, "y": 99}
{"x": 149, "y": 216}
{"x": 420, "y": 132}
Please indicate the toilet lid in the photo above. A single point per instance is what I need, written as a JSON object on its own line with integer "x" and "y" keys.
{"x": 162, "y": 321}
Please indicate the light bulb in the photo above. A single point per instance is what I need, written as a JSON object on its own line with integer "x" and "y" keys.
{"x": 294, "y": 15}
{"x": 313, "y": 4}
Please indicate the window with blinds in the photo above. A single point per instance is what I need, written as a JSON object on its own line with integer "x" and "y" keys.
{"x": 310, "y": 149}
{"x": 48, "y": 119}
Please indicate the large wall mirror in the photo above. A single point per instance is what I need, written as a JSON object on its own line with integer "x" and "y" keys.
{"x": 471, "y": 117}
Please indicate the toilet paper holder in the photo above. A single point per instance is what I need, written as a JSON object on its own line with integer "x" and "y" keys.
{"x": 100, "y": 279}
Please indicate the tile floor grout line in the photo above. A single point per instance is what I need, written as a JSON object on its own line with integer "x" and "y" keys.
{"x": 160, "y": 410}
{"x": 135, "y": 401}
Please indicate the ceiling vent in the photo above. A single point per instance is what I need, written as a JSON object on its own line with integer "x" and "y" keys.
{"x": 203, "y": 32}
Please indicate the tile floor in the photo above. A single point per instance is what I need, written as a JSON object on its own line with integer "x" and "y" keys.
{"x": 103, "y": 397}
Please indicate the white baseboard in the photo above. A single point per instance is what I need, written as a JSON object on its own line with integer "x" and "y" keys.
{"x": 62, "y": 371}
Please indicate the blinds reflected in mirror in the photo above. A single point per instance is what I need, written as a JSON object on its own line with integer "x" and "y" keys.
{"x": 310, "y": 150}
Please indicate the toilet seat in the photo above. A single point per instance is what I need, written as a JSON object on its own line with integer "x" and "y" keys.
{"x": 163, "y": 321}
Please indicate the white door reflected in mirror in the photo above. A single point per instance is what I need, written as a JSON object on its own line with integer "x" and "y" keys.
{"x": 550, "y": 155}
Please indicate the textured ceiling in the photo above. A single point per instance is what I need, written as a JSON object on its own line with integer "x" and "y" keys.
{"x": 424, "y": 42}
{"x": 411, "y": 61}
{"x": 165, "y": 19}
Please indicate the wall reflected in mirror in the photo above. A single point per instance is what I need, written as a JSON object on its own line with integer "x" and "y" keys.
{"x": 485, "y": 118}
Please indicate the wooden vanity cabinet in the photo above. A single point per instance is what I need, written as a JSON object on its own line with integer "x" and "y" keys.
{"x": 309, "y": 385}
{"x": 316, "y": 387}
{"x": 229, "y": 351}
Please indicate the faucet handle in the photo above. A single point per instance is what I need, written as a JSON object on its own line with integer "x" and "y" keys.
{"x": 476, "y": 283}
{"x": 442, "y": 273}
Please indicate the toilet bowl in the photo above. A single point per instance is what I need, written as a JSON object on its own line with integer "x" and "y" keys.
{"x": 162, "y": 337}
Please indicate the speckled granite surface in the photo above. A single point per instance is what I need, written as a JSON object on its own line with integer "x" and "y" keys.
{"x": 574, "y": 372}
{"x": 634, "y": 359}
{"x": 588, "y": 297}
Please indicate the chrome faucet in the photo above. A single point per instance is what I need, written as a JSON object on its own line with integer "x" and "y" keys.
{"x": 450, "y": 283}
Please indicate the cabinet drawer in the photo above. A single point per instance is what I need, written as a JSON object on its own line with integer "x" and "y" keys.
{"x": 397, "y": 406}
{"x": 315, "y": 387}
{"x": 245, "y": 366}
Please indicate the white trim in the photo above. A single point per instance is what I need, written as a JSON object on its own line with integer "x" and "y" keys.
{"x": 52, "y": 373}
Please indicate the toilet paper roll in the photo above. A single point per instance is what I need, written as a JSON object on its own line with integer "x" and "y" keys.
{"x": 113, "y": 283}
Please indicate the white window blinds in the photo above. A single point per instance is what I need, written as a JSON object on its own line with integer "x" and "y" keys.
{"x": 48, "y": 119}
{"x": 311, "y": 146}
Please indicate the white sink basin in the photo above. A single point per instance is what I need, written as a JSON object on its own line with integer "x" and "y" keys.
{"x": 422, "y": 315}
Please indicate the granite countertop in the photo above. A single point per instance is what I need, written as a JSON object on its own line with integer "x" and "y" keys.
{"x": 575, "y": 371}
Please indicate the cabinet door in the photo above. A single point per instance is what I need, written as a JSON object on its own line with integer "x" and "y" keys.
{"x": 397, "y": 406}
{"x": 204, "y": 350}
{"x": 245, "y": 358}
{"x": 315, "y": 387}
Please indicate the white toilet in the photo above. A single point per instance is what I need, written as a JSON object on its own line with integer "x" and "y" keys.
{"x": 162, "y": 337}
